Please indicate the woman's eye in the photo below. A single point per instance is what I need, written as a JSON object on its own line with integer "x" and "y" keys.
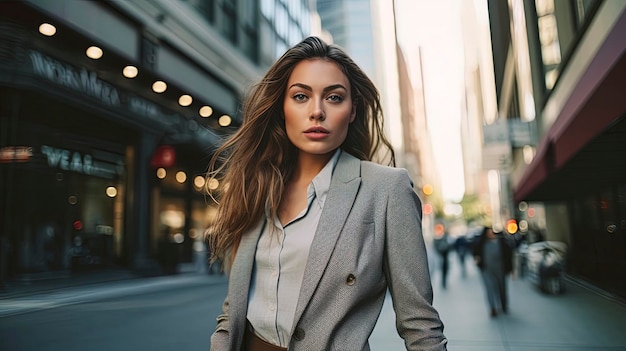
{"x": 335, "y": 98}
{"x": 299, "y": 97}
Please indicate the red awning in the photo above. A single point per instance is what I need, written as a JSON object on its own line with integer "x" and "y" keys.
{"x": 597, "y": 102}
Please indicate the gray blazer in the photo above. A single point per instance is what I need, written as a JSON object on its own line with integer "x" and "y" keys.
{"x": 369, "y": 239}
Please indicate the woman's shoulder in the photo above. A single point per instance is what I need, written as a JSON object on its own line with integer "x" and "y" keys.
{"x": 371, "y": 171}
{"x": 376, "y": 168}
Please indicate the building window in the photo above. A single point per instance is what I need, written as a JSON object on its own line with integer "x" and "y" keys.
{"x": 229, "y": 20}
{"x": 561, "y": 25}
{"x": 268, "y": 8}
{"x": 584, "y": 11}
{"x": 205, "y": 8}
{"x": 549, "y": 40}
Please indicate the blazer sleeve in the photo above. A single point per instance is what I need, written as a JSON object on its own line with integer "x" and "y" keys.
{"x": 406, "y": 268}
{"x": 220, "y": 338}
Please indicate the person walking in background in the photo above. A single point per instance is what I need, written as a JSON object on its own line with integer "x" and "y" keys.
{"x": 462, "y": 248}
{"x": 311, "y": 232}
{"x": 494, "y": 257}
{"x": 443, "y": 245}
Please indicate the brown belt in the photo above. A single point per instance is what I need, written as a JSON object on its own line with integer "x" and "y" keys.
{"x": 251, "y": 342}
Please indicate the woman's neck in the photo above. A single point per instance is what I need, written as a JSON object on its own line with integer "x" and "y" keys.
{"x": 308, "y": 166}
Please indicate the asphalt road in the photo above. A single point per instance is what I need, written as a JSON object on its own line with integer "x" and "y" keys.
{"x": 178, "y": 318}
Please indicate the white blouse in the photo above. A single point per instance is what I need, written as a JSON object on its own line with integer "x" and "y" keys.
{"x": 280, "y": 260}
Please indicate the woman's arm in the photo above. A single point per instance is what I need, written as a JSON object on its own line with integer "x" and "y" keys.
{"x": 406, "y": 268}
{"x": 220, "y": 337}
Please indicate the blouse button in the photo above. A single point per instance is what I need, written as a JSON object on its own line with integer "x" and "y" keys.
{"x": 351, "y": 279}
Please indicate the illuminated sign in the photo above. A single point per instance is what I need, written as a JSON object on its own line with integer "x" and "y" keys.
{"x": 83, "y": 163}
{"x": 10, "y": 154}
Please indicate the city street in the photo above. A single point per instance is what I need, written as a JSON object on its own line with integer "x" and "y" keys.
{"x": 177, "y": 313}
{"x": 159, "y": 314}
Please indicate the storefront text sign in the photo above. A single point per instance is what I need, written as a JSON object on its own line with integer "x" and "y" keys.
{"x": 87, "y": 82}
{"x": 74, "y": 161}
{"x": 80, "y": 80}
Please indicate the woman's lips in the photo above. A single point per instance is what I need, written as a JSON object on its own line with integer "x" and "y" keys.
{"x": 316, "y": 129}
{"x": 316, "y": 133}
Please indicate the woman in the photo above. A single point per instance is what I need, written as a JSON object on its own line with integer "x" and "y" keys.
{"x": 494, "y": 257}
{"x": 312, "y": 233}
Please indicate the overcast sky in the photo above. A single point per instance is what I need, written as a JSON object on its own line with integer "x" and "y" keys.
{"x": 435, "y": 27}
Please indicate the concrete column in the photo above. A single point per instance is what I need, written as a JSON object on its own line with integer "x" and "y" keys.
{"x": 141, "y": 183}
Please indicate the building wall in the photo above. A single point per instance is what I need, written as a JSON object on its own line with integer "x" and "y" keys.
{"x": 574, "y": 170}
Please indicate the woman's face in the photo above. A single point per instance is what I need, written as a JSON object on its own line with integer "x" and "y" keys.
{"x": 318, "y": 107}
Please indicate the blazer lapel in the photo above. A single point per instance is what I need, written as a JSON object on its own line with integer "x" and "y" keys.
{"x": 341, "y": 194}
{"x": 240, "y": 275}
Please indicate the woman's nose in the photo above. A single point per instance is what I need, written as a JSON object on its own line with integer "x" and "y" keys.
{"x": 318, "y": 112}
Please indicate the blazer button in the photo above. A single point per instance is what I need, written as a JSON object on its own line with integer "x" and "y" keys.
{"x": 298, "y": 334}
{"x": 351, "y": 279}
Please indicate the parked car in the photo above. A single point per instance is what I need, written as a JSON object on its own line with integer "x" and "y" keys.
{"x": 544, "y": 265}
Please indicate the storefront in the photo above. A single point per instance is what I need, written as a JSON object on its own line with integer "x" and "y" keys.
{"x": 181, "y": 208}
{"x": 64, "y": 197}
{"x": 79, "y": 190}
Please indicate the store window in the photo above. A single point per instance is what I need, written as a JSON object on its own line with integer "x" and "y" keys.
{"x": 96, "y": 207}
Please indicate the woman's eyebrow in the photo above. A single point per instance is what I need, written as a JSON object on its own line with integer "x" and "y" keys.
{"x": 325, "y": 90}
{"x": 328, "y": 88}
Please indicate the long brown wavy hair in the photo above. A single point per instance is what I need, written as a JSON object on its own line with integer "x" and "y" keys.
{"x": 256, "y": 162}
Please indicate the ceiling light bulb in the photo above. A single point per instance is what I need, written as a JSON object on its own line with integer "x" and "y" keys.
{"x": 181, "y": 177}
{"x": 47, "y": 29}
{"x": 94, "y": 52}
{"x": 111, "y": 191}
{"x": 130, "y": 71}
{"x": 185, "y": 100}
{"x": 225, "y": 120}
{"x": 206, "y": 111}
{"x": 159, "y": 86}
{"x": 199, "y": 182}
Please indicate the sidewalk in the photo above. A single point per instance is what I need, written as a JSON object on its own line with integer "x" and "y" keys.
{"x": 579, "y": 319}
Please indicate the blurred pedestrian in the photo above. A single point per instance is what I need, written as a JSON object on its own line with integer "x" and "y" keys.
{"x": 462, "y": 248}
{"x": 494, "y": 257}
{"x": 312, "y": 233}
{"x": 443, "y": 245}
